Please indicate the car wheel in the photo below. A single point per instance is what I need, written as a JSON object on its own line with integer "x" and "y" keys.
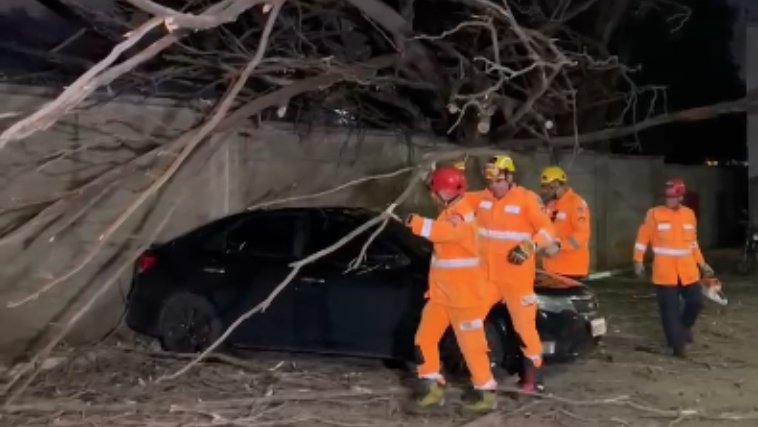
{"x": 188, "y": 323}
{"x": 452, "y": 358}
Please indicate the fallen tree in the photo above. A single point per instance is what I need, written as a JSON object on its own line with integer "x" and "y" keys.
{"x": 490, "y": 76}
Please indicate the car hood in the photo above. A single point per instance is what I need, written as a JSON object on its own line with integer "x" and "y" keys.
{"x": 545, "y": 280}
{"x": 550, "y": 284}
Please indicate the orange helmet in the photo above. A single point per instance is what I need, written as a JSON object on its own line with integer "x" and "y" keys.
{"x": 448, "y": 179}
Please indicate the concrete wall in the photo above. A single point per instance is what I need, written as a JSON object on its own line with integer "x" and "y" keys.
{"x": 751, "y": 81}
{"x": 255, "y": 165}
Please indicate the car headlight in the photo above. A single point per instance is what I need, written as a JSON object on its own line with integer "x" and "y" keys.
{"x": 552, "y": 304}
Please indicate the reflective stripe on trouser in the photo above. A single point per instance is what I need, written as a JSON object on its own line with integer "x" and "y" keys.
{"x": 468, "y": 327}
{"x": 523, "y": 311}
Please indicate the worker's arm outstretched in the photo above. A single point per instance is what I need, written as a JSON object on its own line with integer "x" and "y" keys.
{"x": 441, "y": 230}
{"x": 580, "y": 228}
{"x": 644, "y": 234}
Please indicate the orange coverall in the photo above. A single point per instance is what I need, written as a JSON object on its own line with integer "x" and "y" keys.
{"x": 503, "y": 224}
{"x": 457, "y": 294}
{"x": 673, "y": 236}
{"x": 572, "y": 228}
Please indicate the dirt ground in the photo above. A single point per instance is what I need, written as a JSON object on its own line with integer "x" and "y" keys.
{"x": 114, "y": 384}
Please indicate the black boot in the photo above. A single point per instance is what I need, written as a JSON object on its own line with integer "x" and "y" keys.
{"x": 680, "y": 353}
{"x": 687, "y": 334}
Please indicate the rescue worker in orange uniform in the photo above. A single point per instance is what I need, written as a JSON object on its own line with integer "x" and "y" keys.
{"x": 671, "y": 231}
{"x": 513, "y": 226}
{"x": 570, "y": 214}
{"x": 457, "y": 294}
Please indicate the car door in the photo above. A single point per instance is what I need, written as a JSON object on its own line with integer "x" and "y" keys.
{"x": 259, "y": 252}
{"x": 359, "y": 311}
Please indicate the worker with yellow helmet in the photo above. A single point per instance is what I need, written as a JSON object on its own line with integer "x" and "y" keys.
{"x": 512, "y": 228}
{"x": 571, "y": 219}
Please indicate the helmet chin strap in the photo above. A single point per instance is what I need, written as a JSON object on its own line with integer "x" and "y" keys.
{"x": 444, "y": 202}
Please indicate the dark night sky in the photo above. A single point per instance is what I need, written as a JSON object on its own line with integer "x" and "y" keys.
{"x": 697, "y": 66}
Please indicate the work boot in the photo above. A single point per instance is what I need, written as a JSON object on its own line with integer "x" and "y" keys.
{"x": 679, "y": 352}
{"x": 432, "y": 394}
{"x": 688, "y": 338}
{"x": 480, "y": 401}
{"x": 531, "y": 379}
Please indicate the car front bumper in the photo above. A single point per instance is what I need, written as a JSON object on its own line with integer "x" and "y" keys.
{"x": 568, "y": 334}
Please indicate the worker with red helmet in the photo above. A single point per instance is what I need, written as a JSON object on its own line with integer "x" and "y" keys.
{"x": 671, "y": 231}
{"x": 456, "y": 296}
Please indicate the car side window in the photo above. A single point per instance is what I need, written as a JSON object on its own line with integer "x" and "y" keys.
{"x": 266, "y": 235}
{"x": 324, "y": 232}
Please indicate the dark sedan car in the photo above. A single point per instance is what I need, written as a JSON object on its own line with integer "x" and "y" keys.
{"x": 187, "y": 291}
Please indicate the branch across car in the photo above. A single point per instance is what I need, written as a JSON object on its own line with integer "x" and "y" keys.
{"x": 187, "y": 291}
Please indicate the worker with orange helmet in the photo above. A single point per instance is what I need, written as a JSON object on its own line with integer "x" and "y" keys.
{"x": 457, "y": 295}
{"x": 512, "y": 228}
{"x": 570, "y": 214}
{"x": 678, "y": 263}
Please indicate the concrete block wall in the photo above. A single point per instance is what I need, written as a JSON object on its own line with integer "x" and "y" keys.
{"x": 751, "y": 82}
{"x": 274, "y": 162}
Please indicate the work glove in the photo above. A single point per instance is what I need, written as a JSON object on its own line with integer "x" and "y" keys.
{"x": 706, "y": 270}
{"x": 519, "y": 254}
{"x": 639, "y": 269}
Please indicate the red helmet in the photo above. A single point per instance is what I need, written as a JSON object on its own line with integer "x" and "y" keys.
{"x": 448, "y": 179}
{"x": 675, "y": 188}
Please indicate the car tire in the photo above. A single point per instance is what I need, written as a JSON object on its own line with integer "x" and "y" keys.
{"x": 452, "y": 358}
{"x": 188, "y": 323}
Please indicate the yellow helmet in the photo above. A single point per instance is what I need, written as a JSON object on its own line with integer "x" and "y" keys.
{"x": 552, "y": 173}
{"x": 497, "y": 164}
{"x": 460, "y": 165}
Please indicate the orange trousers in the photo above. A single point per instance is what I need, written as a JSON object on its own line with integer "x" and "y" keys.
{"x": 521, "y": 303}
{"x": 468, "y": 326}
